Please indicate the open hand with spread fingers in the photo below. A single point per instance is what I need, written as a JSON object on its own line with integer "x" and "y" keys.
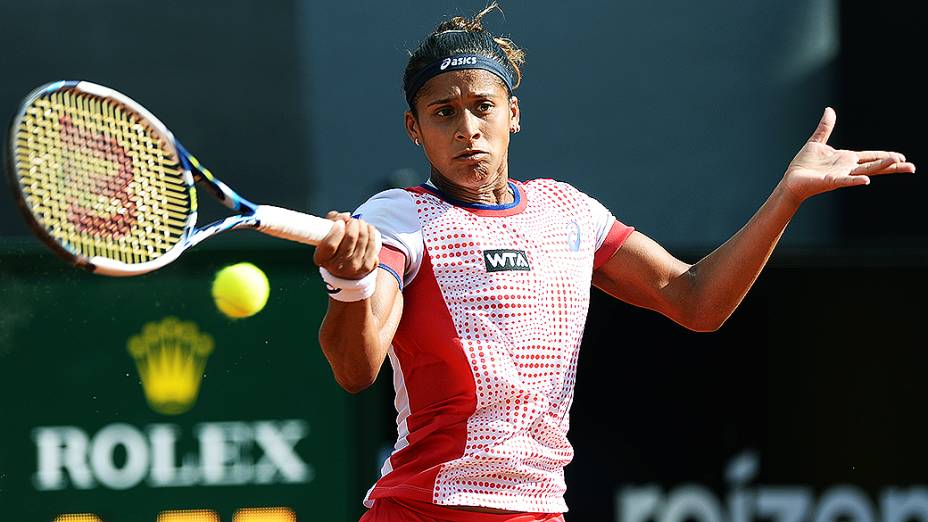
{"x": 819, "y": 167}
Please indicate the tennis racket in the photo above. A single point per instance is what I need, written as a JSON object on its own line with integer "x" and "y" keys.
{"x": 107, "y": 186}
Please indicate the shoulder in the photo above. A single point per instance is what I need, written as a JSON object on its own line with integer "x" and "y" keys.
{"x": 394, "y": 209}
{"x": 551, "y": 182}
{"x": 557, "y": 192}
{"x": 545, "y": 182}
{"x": 388, "y": 199}
{"x": 551, "y": 185}
{"x": 393, "y": 212}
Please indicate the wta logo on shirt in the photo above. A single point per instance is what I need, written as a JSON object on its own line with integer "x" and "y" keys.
{"x": 506, "y": 260}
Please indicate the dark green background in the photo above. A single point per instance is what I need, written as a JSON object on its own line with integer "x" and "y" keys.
{"x": 63, "y": 361}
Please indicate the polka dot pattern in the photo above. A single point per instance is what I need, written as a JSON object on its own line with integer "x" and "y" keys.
{"x": 521, "y": 333}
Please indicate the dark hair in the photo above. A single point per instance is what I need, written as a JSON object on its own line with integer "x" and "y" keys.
{"x": 462, "y": 36}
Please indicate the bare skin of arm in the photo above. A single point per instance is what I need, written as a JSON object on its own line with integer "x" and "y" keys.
{"x": 355, "y": 336}
{"x": 702, "y": 296}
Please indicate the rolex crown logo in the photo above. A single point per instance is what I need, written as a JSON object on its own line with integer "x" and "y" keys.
{"x": 170, "y": 356}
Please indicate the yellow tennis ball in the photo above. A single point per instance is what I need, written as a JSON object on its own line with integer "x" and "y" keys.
{"x": 240, "y": 290}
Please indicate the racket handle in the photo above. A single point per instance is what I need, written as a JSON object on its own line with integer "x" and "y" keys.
{"x": 294, "y": 226}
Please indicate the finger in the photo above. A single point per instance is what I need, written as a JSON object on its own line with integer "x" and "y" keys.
{"x": 335, "y": 215}
{"x": 875, "y": 155}
{"x": 356, "y": 262}
{"x": 825, "y": 126}
{"x": 851, "y": 181}
{"x": 894, "y": 168}
{"x": 873, "y": 166}
{"x": 347, "y": 245}
{"x": 369, "y": 260}
{"x": 372, "y": 255}
{"x": 329, "y": 244}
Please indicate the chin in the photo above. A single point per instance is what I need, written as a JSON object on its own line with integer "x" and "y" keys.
{"x": 480, "y": 175}
{"x": 473, "y": 176}
{"x": 479, "y": 172}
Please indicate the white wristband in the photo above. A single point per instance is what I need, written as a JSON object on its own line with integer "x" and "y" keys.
{"x": 349, "y": 290}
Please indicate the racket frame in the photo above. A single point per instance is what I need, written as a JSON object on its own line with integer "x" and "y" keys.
{"x": 192, "y": 173}
{"x": 99, "y": 264}
{"x": 271, "y": 220}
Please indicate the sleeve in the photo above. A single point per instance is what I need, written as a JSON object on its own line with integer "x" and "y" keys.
{"x": 610, "y": 232}
{"x": 393, "y": 213}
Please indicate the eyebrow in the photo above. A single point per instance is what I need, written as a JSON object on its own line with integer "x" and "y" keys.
{"x": 449, "y": 98}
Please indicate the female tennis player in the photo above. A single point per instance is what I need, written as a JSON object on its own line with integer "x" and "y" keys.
{"x": 484, "y": 284}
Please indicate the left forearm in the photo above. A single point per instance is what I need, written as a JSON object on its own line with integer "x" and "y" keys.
{"x": 702, "y": 296}
{"x": 719, "y": 281}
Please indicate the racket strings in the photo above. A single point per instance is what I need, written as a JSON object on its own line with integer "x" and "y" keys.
{"x": 99, "y": 180}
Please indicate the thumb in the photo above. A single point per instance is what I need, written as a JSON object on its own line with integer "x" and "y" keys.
{"x": 825, "y": 126}
{"x": 335, "y": 215}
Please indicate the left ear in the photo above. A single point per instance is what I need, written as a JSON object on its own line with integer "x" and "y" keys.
{"x": 514, "y": 115}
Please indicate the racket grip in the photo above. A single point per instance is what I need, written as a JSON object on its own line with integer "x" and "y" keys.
{"x": 294, "y": 226}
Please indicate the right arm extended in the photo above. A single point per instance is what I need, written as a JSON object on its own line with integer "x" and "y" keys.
{"x": 355, "y": 336}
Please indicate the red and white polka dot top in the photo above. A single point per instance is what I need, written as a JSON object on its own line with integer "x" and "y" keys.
{"x": 485, "y": 356}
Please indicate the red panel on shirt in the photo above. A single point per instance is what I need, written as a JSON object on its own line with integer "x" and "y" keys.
{"x": 441, "y": 390}
{"x": 614, "y": 239}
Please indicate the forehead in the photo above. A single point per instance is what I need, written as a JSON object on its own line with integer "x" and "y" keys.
{"x": 462, "y": 83}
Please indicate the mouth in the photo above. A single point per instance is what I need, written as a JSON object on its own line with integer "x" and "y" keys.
{"x": 470, "y": 154}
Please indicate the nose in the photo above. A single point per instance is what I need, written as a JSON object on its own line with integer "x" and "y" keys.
{"x": 468, "y": 127}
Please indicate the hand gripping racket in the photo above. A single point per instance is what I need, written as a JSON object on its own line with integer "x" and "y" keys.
{"x": 105, "y": 184}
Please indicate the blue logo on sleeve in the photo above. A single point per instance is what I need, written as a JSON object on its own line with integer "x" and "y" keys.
{"x": 573, "y": 236}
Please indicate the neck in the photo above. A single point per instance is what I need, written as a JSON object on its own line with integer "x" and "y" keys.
{"x": 493, "y": 191}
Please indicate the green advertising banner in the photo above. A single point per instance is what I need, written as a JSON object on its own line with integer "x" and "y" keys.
{"x": 136, "y": 399}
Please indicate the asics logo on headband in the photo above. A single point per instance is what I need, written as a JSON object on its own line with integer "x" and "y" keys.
{"x": 451, "y": 62}
{"x": 455, "y": 63}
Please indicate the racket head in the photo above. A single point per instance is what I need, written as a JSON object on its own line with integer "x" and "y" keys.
{"x": 99, "y": 179}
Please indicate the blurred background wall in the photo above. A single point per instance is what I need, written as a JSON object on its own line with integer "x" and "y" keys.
{"x": 648, "y": 107}
{"x": 680, "y": 117}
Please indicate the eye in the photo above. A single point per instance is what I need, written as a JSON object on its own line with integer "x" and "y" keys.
{"x": 485, "y": 107}
{"x": 444, "y": 111}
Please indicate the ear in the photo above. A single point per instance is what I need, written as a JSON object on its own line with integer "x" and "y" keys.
{"x": 412, "y": 127}
{"x": 515, "y": 114}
